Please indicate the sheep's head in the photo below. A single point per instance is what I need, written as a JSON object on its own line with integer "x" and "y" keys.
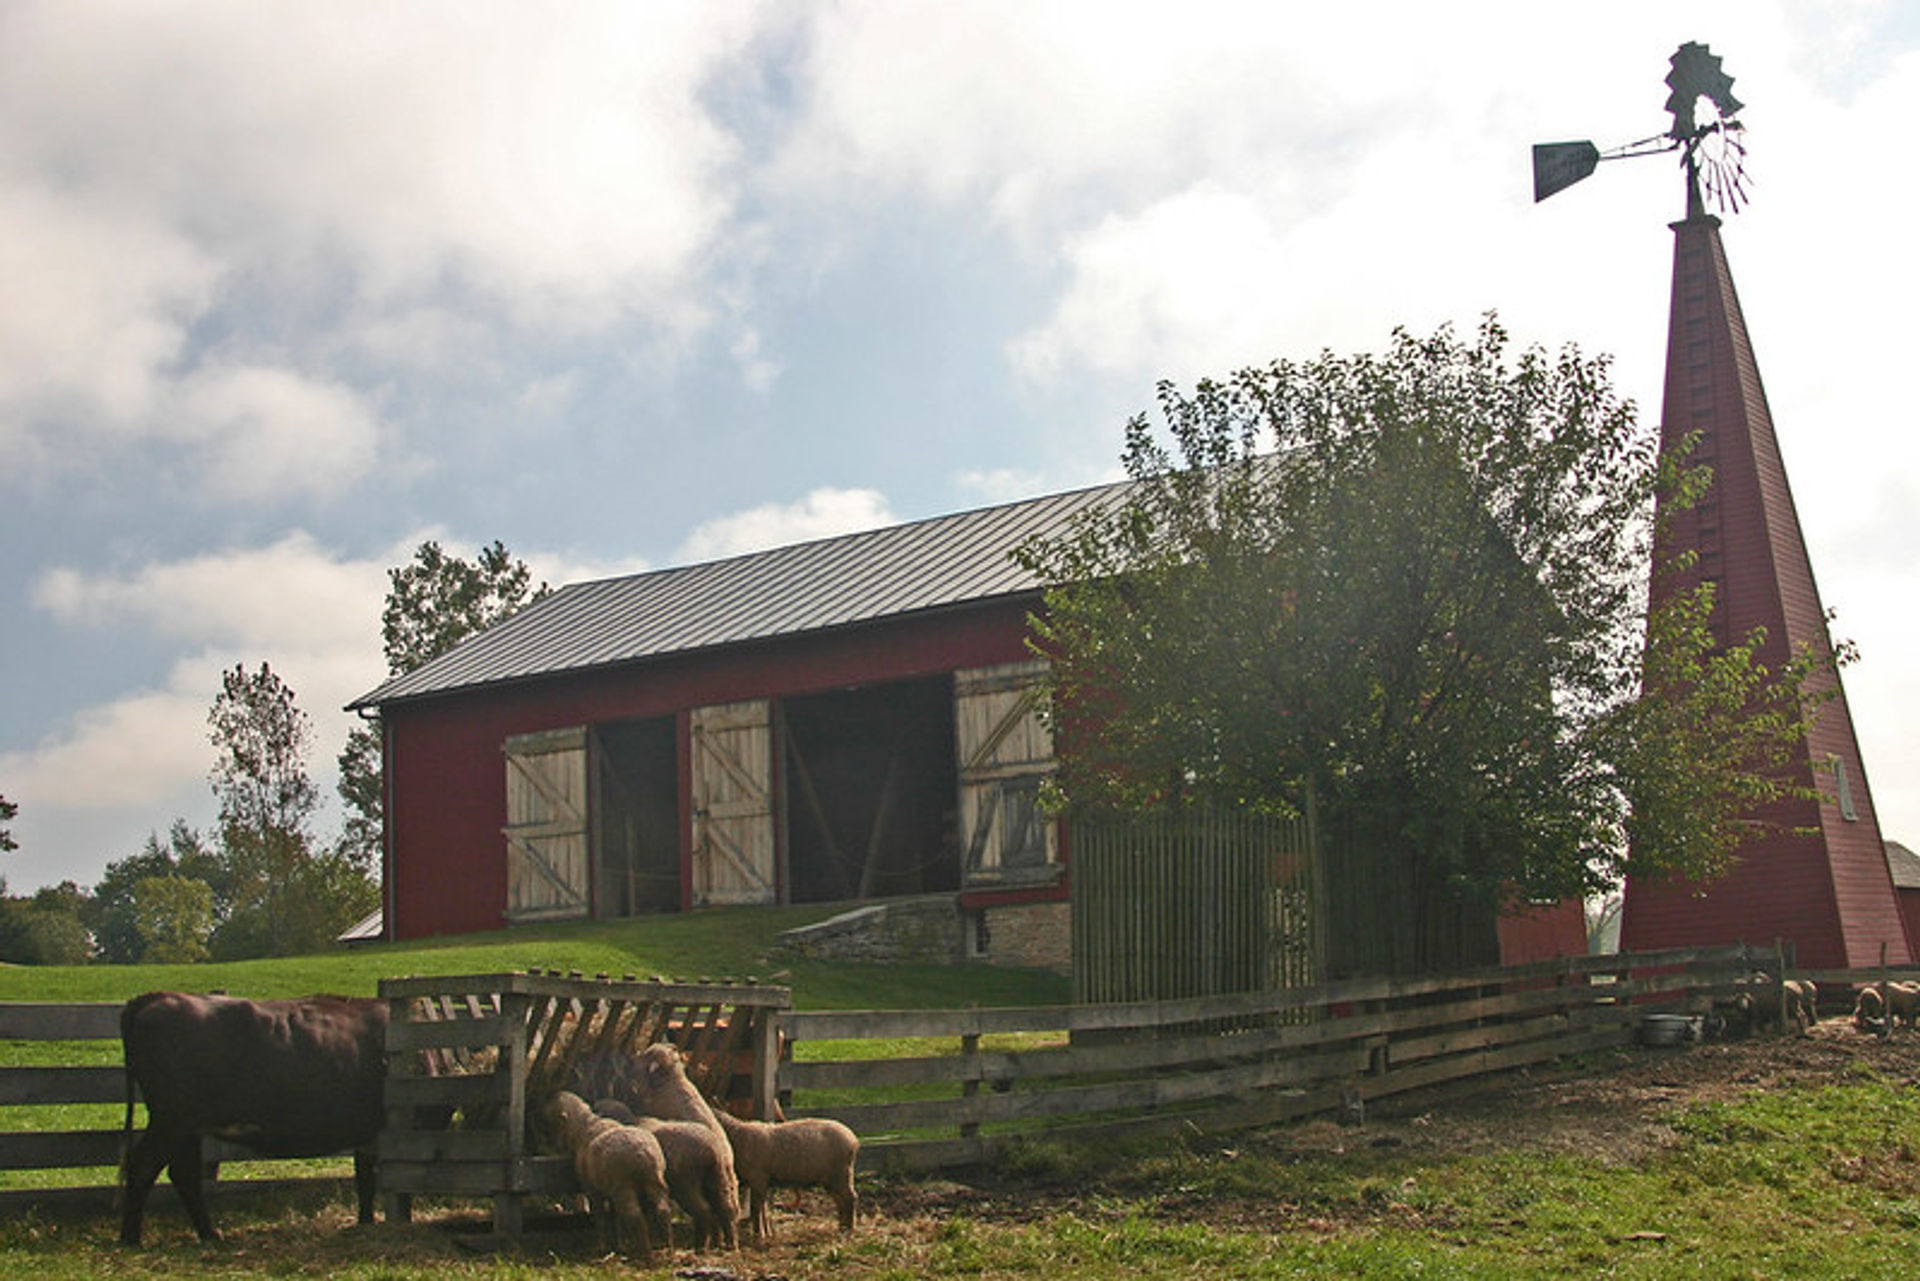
{"x": 660, "y": 1063}
{"x": 568, "y": 1114}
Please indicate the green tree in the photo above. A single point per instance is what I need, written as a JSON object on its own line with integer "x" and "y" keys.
{"x": 114, "y": 912}
{"x": 46, "y": 928}
{"x": 1412, "y": 587}
{"x": 439, "y": 600}
{"x": 8, "y": 812}
{"x": 283, "y": 898}
{"x": 173, "y": 917}
{"x": 433, "y": 603}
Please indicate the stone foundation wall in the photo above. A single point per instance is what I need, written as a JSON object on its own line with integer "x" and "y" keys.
{"x": 925, "y": 931}
{"x": 932, "y": 930}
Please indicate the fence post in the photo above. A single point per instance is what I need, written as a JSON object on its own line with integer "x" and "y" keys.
{"x": 766, "y": 1062}
{"x": 1780, "y": 980}
{"x": 1886, "y": 998}
{"x": 970, "y": 1085}
{"x": 1320, "y": 946}
{"x": 508, "y": 1209}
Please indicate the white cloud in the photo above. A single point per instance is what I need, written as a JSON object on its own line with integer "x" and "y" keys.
{"x": 1166, "y": 290}
{"x": 97, "y": 304}
{"x": 547, "y": 400}
{"x": 291, "y": 594}
{"x": 312, "y": 615}
{"x": 566, "y": 156}
{"x": 1002, "y": 485}
{"x": 821, "y": 514}
{"x": 112, "y": 770}
{"x": 414, "y": 183}
{"x": 271, "y": 432}
{"x": 130, "y": 751}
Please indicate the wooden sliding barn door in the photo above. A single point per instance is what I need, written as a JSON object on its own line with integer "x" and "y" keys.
{"x": 546, "y": 827}
{"x": 1005, "y": 751}
{"x": 732, "y": 786}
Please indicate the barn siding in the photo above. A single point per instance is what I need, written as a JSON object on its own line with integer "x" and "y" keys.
{"x": 1542, "y": 932}
{"x": 448, "y": 870}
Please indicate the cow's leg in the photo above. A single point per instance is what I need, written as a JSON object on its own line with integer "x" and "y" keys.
{"x": 187, "y": 1171}
{"x": 365, "y": 1181}
{"x": 144, "y": 1162}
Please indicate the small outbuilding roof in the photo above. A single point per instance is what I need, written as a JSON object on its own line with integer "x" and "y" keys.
{"x": 833, "y": 582}
{"x": 1905, "y": 866}
{"x": 370, "y": 928}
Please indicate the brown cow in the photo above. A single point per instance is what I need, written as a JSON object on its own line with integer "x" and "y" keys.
{"x": 297, "y": 1078}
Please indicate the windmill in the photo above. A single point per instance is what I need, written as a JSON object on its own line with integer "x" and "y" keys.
{"x": 1711, "y": 142}
{"x": 1813, "y": 871}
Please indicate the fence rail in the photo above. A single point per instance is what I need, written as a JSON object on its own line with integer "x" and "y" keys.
{"x": 985, "y": 1079}
{"x": 90, "y": 1152}
{"x": 995, "y": 1078}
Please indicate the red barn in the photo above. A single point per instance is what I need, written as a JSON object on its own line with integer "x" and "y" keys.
{"x": 847, "y": 719}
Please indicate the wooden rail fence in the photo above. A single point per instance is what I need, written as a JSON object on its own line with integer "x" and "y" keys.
{"x": 89, "y": 1157}
{"x": 992, "y": 1078}
{"x": 981, "y": 1081}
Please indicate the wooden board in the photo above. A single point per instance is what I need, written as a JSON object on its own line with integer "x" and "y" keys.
{"x": 1004, "y": 750}
{"x": 546, "y": 827}
{"x": 732, "y": 800}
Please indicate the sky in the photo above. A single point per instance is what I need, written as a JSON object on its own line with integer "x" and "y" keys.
{"x": 290, "y": 288}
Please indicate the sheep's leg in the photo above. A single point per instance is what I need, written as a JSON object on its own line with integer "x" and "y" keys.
{"x": 631, "y": 1222}
{"x": 846, "y": 1200}
{"x": 758, "y": 1215}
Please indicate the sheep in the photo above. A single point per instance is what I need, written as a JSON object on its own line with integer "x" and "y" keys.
{"x": 1869, "y": 1010}
{"x": 810, "y": 1152}
{"x": 622, "y": 1169}
{"x": 1875, "y": 1010}
{"x": 660, "y": 1086}
{"x": 1734, "y": 1016}
{"x": 1903, "y": 1002}
{"x": 1802, "y": 1002}
{"x": 699, "y": 1171}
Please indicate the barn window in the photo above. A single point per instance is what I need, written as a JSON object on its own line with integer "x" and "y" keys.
{"x": 1023, "y": 824}
{"x": 979, "y": 936}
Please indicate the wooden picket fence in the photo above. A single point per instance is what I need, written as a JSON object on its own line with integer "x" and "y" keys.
{"x": 1183, "y": 903}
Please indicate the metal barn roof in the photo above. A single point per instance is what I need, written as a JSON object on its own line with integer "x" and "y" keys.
{"x": 833, "y": 582}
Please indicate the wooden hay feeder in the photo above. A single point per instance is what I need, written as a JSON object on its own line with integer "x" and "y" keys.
{"x": 470, "y": 1059}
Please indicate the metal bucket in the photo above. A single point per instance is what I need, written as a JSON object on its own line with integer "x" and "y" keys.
{"x": 1669, "y": 1029}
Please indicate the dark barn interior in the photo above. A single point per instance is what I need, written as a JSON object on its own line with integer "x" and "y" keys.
{"x": 869, "y": 781}
{"x": 637, "y": 817}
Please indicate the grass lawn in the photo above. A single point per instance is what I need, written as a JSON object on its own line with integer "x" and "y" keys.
{"x": 736, "y": 943}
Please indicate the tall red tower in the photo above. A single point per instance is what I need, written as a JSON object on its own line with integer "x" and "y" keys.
{"x": 1818, "y": 877}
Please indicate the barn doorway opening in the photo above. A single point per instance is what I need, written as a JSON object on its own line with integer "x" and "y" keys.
{"x": 636, "y": 809}
{"x": 870, "y": 792}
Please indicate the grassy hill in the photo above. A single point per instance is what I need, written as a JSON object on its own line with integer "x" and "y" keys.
{"x": 719, "y": 943}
